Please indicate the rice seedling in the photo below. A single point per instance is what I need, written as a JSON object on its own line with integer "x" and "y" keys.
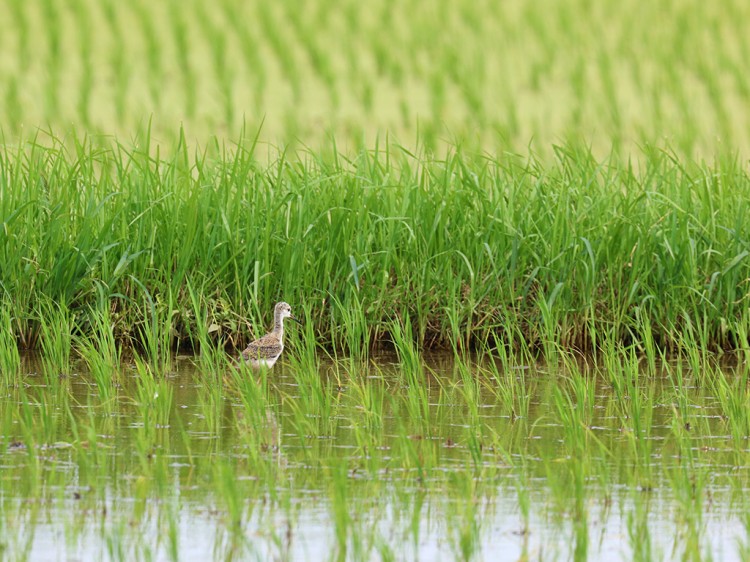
{"x": 512, "y": 389}
{"x": 204, "y": 333}
{"x": 56, "y": 330}
{"x": 100, "y": 351}
{"x": 351, "y": 331}
{"x": 639, "y": 533}
{"x": 156, "y": 329}
{"x": 154, "y": 401}
{"x": 415, "y": 380}
{"x": 180, "y": 31}
{"x": 734, "y": 401}
{"x": 10, "y": 360}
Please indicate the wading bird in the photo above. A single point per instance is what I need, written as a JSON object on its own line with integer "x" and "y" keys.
{"x": 264, "y": 351}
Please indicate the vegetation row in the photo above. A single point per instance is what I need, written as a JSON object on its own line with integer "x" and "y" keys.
{"x": 464, "y": 248}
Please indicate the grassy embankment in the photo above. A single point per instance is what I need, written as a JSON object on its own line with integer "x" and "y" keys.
{"x": 573, "y": 253}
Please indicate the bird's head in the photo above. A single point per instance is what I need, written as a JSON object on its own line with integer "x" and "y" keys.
{"x": 283, "y": 310}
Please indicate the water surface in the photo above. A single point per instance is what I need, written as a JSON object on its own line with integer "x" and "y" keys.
{"x": 351, "y": 462}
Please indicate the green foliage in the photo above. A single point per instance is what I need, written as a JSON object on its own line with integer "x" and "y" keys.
{"x": 536, "y": 256}
{"x": 490, "y": 74}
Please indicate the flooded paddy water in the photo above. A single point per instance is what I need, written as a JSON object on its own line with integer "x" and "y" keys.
{"x": 447, "y": 459}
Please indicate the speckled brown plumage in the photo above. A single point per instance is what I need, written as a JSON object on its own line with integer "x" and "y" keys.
{"x": 265, "y": 351}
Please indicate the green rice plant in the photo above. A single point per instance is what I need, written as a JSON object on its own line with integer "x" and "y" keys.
{"x": 620, "y": 368}
{"x": 117, "y": 60}
{"x": 274, "y": 35}
{"x": 85, "y": 49}
{"x": 319, "y": 57}
{"x": 409, "y": 360}
{"x": 509, "y": 383}
{"x": 743, "y": 546}
{"x": 202, "y": 332}
{"x": 734, "y": 400}
{"x": 153, "y": 50}
{"x": 412, "y": 374}
{"x": 156, "y": 328}
{"x": 250, "y": 49}
{"x": 314, "y": 404}
{"x": 522, "y": 488}
{"x": 464, "y": 516}
{"x": 640, "y": 424}
{"x": 51, "y": 16}
{"x": 20, "y": 542}
{"x": 351, "y": 329}
{"x": 154, "y": 400}
{"x": 224, "y": 73}
{"x": 743, "y": 343}
{"x": 182, "y": 42}
{"x": 458, "y": 340}
{"x": 227, "y": 487}
{"x": 574, "y": 408}
{"x": 639, "y": 533}
{"x": 211, "y": 402}
{"x": 179, "y": 441}
{"x": 258, "y": 420}
{"x": 550, "y": 323}
{"x": 369, "y": 400}
{"x": 117, "y": 545}
{"x": 10, "y": 359}
{"x": 693, "y": 344}
{"x": 100, "y": 351}
{"x": 56, "y": 324}
{"x": 646, "y": 337}
{"x": 581, "y": 546}
{"x": 304, "y": 352}
{"x": 21, "y": 22}
{"x": 339, "y": 492}
{"x": 681, "y": 404}
{"x": 469, "y": 387}
{"x": 688, "y": 481}
{"x": 252, "y": 388}
{"x": 617, "y": 103}
{"x": 173, "y": 523}
{"x": 89, "y": 456}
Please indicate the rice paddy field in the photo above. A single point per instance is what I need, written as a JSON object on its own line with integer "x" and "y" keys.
{"x": 491, "y": 75}
{"x": 516, "y": 235}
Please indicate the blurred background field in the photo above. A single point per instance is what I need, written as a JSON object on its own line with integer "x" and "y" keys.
{"x": 491, "y": 75}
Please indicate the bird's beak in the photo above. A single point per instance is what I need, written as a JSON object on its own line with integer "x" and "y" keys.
{"x": 295, "y": 319}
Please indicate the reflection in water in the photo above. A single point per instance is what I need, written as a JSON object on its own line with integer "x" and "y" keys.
{"x": 356, "y": 462}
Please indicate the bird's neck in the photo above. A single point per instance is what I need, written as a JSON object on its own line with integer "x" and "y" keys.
{"x": 278, "y": 326}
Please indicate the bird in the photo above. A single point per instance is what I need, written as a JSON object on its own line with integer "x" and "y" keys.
{"x": 264, "y": 351}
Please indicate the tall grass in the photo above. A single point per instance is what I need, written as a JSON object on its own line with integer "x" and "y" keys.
{"x": 527, "y": 256}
